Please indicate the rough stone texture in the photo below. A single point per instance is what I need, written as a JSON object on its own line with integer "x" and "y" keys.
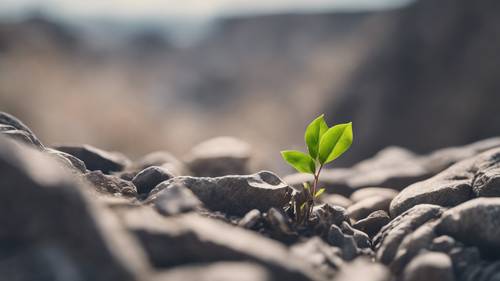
{"x": 149, "y": 178}
{"x": 251, "y": 219}
{"x": 68, "y": 160}
{"x": 96, "y": 159}
{"x": 191, "y": 238}
{"x": 319, "y": 255}
{"x": 217, "y": 271}
{"x": 14, "y": 128}
{"x": 363, "y": 269}
{"x": 326, "y": 215}
{"x": 363, "y": 208}
{"x": 454, "y": 185}
{"x": 476, "y": 222}
{"x": 373, "y": 222}
{"x": 219, "y": 157}
{"x": 58, "y": 232}
{"x": 430, "y": 266}
{"x": 390, "y": 237}
{"x": 336, "y": 199}
{"x": 367, "y": 192}
{"x": 160, "y": 159}
{"x": 110, "y": 184}
{"x": 175, "y": 200}
{"x": 235, "y": 194}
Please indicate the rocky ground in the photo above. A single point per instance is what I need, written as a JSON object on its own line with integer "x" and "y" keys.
{"x": 80, "y": 213}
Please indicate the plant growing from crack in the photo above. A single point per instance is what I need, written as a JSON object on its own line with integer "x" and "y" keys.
{"x": 324, "y": 145}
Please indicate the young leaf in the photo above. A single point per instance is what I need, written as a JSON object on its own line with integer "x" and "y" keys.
{"x": 313, "y": 135}
{"x": 335, "y": 142}
{"x": 306, "y": 185}
{"x": 300, "y": 161}
{"x": 319, "y": 192}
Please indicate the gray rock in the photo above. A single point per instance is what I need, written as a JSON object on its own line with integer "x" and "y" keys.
{"x": 476, "y": 222}
{"x": 279, "y": 222}
{"x": 251, "y": 219}
{"x": 219, "y": 157}
{"x": 52, "y": 229}
{"x": 67, "y": 160}
{"x": 13, "y": 127}
{"x": 176, "y": 199}
{"x": 325, "y": 215}
{"x": 108, "y": 184}
{"x": 363, "y": 269}
{"x": 149, "y": 178}
{"x": 160, "y": 159}
{"x": 345, "y": 241}
{"x": 431, "y": 266}
{"x": 390, "y": 237}
{"x": 459, "y": 183}
{"x": 96, "y": 159}
{"x": 443, "y": 243}
{"x": 217, "y": 271}
{"x": 367, "y": 192}
{"x": 363, "y": 208}
{"x": 236, "y": 194}
{"x": 190, "y": 238}
{"x": 336, "y": 200}
{"x": 373, "y": 222}
{"x": 319, "y": 255}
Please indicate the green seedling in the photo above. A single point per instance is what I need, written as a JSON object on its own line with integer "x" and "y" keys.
{"x": 324, "y": 145}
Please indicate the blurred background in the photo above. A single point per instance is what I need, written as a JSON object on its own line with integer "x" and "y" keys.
{"x": 138, "y": 76}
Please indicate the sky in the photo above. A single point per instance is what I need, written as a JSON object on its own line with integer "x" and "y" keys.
{"x": 195, "y": 9}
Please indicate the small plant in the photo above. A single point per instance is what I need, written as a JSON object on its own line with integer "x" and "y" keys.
{"x": 324, "y": 145}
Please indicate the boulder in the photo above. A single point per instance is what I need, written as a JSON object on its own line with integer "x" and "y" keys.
{"x": 219, "y": 157}
{"x": 373, "y": 222}
{"x": 476, "y": 222}
{"x": 363, "y": 208}
{"x": 431, "y": 266}
{"x": 235, "y": 194}
{"x": 175, "y": 200}
{"x": 53, "y": 230}
{"x": 96, "y": 159}
{"x": 149, "y": 178}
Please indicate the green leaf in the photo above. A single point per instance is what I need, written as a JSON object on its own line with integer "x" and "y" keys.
{"x": 335, "y": 142}
{"x": 306, "y": 185}
{"x": 300, "y": 161}
{"x": 314, "y": 132}
{"x": 319, "y": 192}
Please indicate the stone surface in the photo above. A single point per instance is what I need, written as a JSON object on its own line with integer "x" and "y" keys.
{"x": 476, "y": 222}
{"x": 367, "y": 192}
{"x": 363, "y": 208}
{"x": 373, "y": 222}
{"x": 390, "y": 237}
{"x": 336, "y": 199}
{"x": 108, "y": 184}
{"x": 217, "y": 271}
{"x": 149, "y": 178}
{"x": 319, "y": 255}
{"x": 14, "y": 128}
{"x": 363, "y": 269}
{"x": 96, "y": 159}
{"x": 476, "y": 176}
{"x": 67, "y": 160}
{"x": 219, "y": 157}
{"x": 53, "y": 230}
{"x": 236, "y": 194}
{"x": 161, "y": 159}
{"x": 191, "y": 238}
{"x": 251, "y": 219}
{"x": 430, "y": 266}
{"x": 175, "y": 200}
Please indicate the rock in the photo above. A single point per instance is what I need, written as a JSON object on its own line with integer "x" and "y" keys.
{"x": 363, "y": 208}
{"x": 453, "y": 186}
{"x": 148, "y": 178}
{"x": 443, "y": 243}
{"x": 52, "y": 229}
{"x": 320, "y": 255}
{"x": 432, "y": 266}
{"x": 363, "y": 269}
{"x": 219, "y": 157}
{"x": 325, "y": 215}
{"x": 251, "y": 220}
{"x": 336, "y": 200}
{"x": 96, "y": 159}
{"x": 476, "y": 222}
{"x": 13, "y": 127}
{"x": 279, "y": 223}
{"x": 161, "y": 159}
{"x": 236, "y": 194}
{"x": 345, "y": 242}
{"x": 362, "y": 240}
{"x": 373, "y": 222}
{"x": 390, "y": 237}
{"x": 368, "y": 192}
{"x": 108, "y": 184}
{"x": 190, "y": 238}
{"x": 217, "y": 271}
{"x": 175, "y": 200}
{"x": 68, "y": 160}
